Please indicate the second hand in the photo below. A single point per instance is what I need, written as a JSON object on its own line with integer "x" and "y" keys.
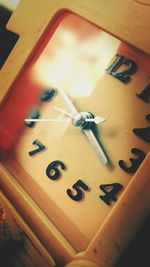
{"x": 59, "y": 120}
{"x": 46, "y": 120}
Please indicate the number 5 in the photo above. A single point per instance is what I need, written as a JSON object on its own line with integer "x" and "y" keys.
{"x": 79, "y": 186}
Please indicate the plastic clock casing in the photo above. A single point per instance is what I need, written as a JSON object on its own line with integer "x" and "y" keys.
{"x": 121, "y": 20}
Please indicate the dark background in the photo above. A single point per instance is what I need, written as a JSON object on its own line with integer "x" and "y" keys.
{"x": 137, "y": 253}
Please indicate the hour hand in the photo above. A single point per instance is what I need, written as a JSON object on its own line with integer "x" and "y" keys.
{"x": 96, "y": 146}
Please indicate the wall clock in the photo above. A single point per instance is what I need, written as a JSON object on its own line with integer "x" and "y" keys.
{"x": 75, "y": 130}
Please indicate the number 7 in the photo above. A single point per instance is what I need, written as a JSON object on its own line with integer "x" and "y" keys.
{"x": 39, "y": 149}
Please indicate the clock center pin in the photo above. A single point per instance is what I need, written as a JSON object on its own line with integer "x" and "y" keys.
{"x": 81, "y": 120}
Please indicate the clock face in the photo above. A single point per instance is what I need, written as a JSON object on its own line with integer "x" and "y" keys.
{"x": 76, "y": 125}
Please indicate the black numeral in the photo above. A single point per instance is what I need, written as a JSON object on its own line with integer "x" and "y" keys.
{"x": 135, "y": 162}
{"x": 48, "y": 94}
{"x": 110, "y": 190}
{"x": 53, "y": 171}
{"x": 77, "y": 194}
{"x": 143, "y": 133}
{"x": 39, "y": 149}
{"x": 35, "y": 114}
{"x": 145, "y": 94}
{"x": 124, "y": 75}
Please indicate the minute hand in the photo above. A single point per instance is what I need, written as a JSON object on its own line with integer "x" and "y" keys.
{"x": 68, "y": 101}
{"x": 89, "y": 134}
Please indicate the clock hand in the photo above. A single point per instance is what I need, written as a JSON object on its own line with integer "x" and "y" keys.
{"x": 96, "y": 119}
{"x": 78, "y": 120}
{"x": 96, "y": 146}
{"x": 59, "y": 120}
{"x": 63, "y": 111}
{"x": 68, "y": 101}
{"x": 46, "y": 120}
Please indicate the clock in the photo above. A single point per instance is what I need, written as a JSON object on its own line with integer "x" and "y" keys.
{"x": 75, "y": 127}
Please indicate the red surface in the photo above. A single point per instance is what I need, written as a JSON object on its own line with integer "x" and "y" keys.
{"x": 22, "y": 97}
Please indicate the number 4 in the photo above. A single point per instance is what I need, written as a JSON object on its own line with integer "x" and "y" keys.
{"x": 110, "y": 190}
